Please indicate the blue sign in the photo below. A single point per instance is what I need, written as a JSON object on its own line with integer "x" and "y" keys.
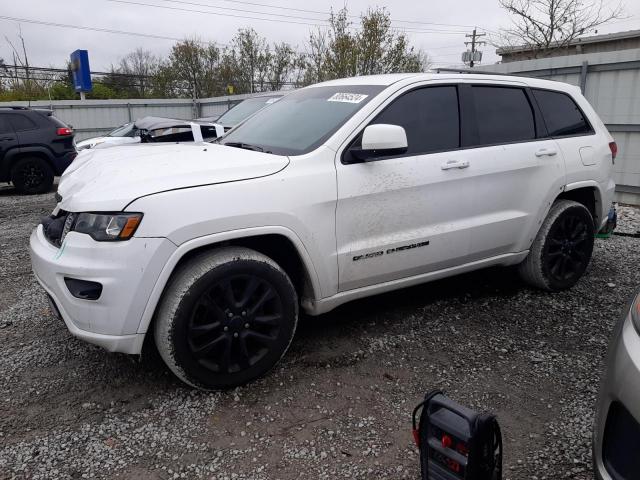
{"x": 80, "y": 71}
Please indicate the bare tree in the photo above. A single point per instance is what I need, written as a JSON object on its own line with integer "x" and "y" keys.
{"x": 541, "y": 25}
{"x": 22, "y": 77}
{"x": 139, "y": 66}
{"x": 19, "y": 72}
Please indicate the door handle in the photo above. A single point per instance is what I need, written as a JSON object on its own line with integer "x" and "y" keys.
{"x": 2, "y": 139}
{"x": 448, "y": 165}
{"x": 549, "y": 152}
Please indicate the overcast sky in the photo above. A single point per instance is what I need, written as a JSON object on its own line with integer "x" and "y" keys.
{"x": 49, "y": 46}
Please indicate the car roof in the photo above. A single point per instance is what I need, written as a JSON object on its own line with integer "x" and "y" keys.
{"x": 407, "y": 78}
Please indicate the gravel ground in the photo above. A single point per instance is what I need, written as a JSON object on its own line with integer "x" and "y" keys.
{"x": 339, "y": 404}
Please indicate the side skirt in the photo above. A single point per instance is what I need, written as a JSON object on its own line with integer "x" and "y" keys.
{"x": 318, "y": 307}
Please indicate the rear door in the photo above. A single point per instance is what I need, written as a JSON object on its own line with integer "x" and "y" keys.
{"x": 518, "y": 169}
{"x": 584, "y": 152}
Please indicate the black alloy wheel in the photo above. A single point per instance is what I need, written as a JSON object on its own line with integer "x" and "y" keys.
{"x": 32, "y": 175}
{"x": 227, "y": 316}
{"x": 561, "y": 251}
{"x": 568, "y": 247}
{"x": 234, "y": 323}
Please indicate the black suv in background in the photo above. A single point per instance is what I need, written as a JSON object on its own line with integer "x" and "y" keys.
{"x": 34, "y": 147}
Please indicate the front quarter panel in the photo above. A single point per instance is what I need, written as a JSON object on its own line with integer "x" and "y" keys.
{"x": 301, "y": 199}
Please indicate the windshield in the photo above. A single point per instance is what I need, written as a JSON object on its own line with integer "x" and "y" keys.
{"x": 244, "y": 109}
{"x": 301, "y": 121}
{"x": 125, "y": 130}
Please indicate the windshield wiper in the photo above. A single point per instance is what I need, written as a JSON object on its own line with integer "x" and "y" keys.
{"x": 246, "y": 146}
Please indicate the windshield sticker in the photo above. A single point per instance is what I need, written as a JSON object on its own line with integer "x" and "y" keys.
{"x": 347, "y": 97}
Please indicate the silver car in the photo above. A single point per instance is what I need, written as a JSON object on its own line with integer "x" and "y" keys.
{"x": 616, "y": 431}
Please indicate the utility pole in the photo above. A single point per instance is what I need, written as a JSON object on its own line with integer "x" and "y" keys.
{"x": 472, "y": 55}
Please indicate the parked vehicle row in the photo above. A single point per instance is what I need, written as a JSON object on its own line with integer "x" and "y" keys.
{"x": 154, "y": 130}
{"x": 335, "y": 192}
{"x": 35, "y": 146}
{"x": 243, "y": 110}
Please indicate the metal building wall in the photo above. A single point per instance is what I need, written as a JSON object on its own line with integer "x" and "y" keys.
{"x": 611, "y": 83}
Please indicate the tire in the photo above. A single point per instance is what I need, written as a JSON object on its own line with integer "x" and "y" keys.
{"x": 32, "y": 175}
{"x": 226, "y": 317}
{"x": 562, "y": 249}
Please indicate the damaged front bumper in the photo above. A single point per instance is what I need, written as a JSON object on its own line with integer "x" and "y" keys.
{"x": 126, "y": 272}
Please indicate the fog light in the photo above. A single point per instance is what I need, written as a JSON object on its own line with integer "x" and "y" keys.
{"x": 83, "y": 289}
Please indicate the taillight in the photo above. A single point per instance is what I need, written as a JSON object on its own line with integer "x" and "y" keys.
{"x": 63, "y": 131}
{"x": 614, "y": 151}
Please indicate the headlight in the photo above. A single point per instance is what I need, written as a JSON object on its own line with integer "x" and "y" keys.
{"x": 635, "y": 312}
{"x": 103, "y": 227}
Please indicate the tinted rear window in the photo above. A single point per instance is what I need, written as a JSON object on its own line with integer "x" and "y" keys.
{"x": 429, "y": 117}
{"x": 503, "y": 115}
{"x": 56, "y": 121}
{"x": 561, "y": 114}
{"x": 21, "y": 122}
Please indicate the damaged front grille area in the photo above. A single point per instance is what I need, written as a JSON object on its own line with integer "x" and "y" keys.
{"x": 55, "y": 227}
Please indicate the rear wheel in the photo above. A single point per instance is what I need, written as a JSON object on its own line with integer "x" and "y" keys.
{"x": 226, "y": 318}
{"x": 32, "y": 175}
{"x": 562, "y": 249}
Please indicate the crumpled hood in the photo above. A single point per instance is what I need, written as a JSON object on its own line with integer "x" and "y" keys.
{"x": 109, "y": 179}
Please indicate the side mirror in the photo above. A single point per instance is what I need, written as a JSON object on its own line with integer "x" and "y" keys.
{"x": 381, "y": 140}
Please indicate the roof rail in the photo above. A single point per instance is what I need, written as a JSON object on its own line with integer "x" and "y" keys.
{"x": 468, "y": 70}
{"x": 15, "y": 108}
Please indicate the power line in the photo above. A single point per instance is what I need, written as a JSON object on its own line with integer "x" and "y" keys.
{"x": 50, "y": 73}
{"x": 129, "y": 33}
{"x": 306, "y": 21}
{"x": 95, "y": 29}
{"x": 66, "y": 71}
{"x": 318, "y": 12}
{"x": 216, "y": 13}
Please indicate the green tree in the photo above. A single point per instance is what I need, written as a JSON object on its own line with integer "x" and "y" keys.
{"x": 192, "y": 70}
{"x": 341, "y": 51}
{"x": 248, "y": 61}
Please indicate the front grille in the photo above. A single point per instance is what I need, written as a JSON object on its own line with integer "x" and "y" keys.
{"x": 54, "y": 226}
{"x": 620, "y": 445}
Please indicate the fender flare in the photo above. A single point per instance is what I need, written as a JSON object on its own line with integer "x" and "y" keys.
{"x": 9, "y": 158}
{"x": 597, "y": 188}
{"x": 190, "y": 245}
{"x": 582, "y": 184}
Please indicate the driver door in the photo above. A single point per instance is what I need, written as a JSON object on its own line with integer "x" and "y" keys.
{"x": 407, "y": 214}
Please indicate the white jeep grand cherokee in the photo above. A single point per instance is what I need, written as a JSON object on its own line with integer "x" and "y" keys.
{"x": 338, "y": 191}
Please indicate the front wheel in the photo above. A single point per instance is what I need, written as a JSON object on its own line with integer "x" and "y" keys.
{"x": 562, "y": 249}
{"x": 226, "y": 318}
